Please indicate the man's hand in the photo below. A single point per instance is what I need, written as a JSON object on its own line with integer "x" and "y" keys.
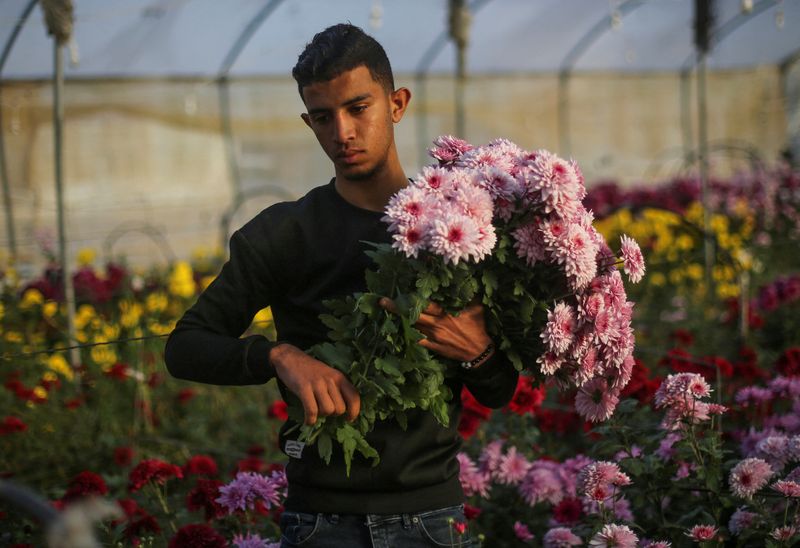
{"x": 461, "y": 337}
{"x": 322, "y": 389}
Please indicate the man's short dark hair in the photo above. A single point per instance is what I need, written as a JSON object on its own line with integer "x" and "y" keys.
{"x": 338, "y": 49}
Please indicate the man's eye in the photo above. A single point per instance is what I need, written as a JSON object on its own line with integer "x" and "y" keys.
{"x": 358, "y": 108}
{"x": 320, "y": 119}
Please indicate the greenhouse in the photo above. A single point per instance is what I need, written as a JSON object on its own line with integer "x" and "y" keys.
{"x": 628, "y": 173}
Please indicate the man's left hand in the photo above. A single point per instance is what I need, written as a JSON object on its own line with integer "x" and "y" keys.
{"x": 461, "y": 337}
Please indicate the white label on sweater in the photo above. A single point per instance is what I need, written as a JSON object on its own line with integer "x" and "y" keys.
{"x": 294, "y": 448}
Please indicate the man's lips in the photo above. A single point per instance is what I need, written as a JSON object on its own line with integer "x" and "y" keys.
{"x": 349, "y": 156}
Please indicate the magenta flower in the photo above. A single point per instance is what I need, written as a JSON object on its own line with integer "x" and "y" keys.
{"x": 748, "y": 476}
{"x": 523, "y": 533}
{"x": 741, "y": 520}
{"x": 619, "y": 536}
{"x": 248, "y": 487}
{"x": 473, "y": 481}
{"x": 447, "y": 149}
{"x": 512, "y": 467}
{"x": 560, "y": 537}
{"x": 599, "y": 480}
{"x": 542, "y": 483}
{"x": 252, "y": 540}
{"x": 783, "y": 533}
{"x": 632, "y": 258}
{"x": 559, "y": 332}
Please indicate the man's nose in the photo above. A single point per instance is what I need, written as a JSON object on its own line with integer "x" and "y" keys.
{"x": 344, "y": 129}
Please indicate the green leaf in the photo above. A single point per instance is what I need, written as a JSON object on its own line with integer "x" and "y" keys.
{"x": 325, "y": 447}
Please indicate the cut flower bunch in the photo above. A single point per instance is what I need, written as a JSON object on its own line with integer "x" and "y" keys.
{"x": 505, "y": 227}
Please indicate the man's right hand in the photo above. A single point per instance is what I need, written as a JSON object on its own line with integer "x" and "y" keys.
{"x": 322, "y": 389}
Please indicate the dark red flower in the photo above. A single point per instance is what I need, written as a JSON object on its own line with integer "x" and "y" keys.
{"x": 49, "y": 384}
{"x": 527, "y": 398}
{"x": 468, "y": 425}
{"x": 471, "y": 512}
{"x": 255, "y": 450}
{"x": 118, "y": 371}
{"x": 557, "y": 420}
{"x": 204, "y": 497}
{"x": 12, "y": 424}
{"x": 185, "y": 395}
{"x": 472, "y": 415}
{"x": 682, "y": 337}
{"x": 250, "y": 464}
{"x": 717, "y": 362}
{"x": 460, "y": 527}
{"x": 568, "y": 511}
{"x": 123, "y": 456}
{"x": 138, "y": 520}
{"x": 155, "y": 379}
{"x": 85, "y": 484}
{"x": 277, "y": 410}
{"x": 201, "y": 465}
{"x": 197, "y": 535}
{"x": 788, "y": 363}
{"x": 152, "y": 470}
{"x": 73, "y": 403}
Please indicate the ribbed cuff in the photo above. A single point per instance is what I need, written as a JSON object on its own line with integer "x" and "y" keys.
{"x": 257, "y": 358}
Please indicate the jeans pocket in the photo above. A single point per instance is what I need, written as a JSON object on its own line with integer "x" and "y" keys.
{"x": 441, "y": 527}
{"x": 298, "y": 528}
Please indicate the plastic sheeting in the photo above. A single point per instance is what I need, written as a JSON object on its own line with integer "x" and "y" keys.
{"x": 191, "y": 38}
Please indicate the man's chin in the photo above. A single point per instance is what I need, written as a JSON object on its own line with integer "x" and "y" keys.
{"x": 358, "y": 173}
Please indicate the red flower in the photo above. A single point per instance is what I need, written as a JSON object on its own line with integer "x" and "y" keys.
{"x": 557, "y": 420}
{"x": 725, "y": 367}
{"x": 197, "y": 536}
{"x": 204, "y": 497}
{"x": 472, "y": 415}
{"x": 123, "y": 456}
{"x": 155, "y": 379}
{"x": 85, "y": 484}
{"x": 201, "y": 465}
{"x": 12, "y": 424}
{"x": 250, "y": 464}
{"x": 277, "y": 410}
{"x": 118, "y": 371}
{"x": 49, "y": 384}
{"x": 568, "y": 511}
{"x": 255, "y": 450}
{"x": 682, "y": 337}
{"x": 152, "y": 470}
{"x": 789, "y": 362}
{"x": 139, "y": 521}
{"x": 73, "y": 403}
{"x": 468, "y": 424}
{"x": 185, "y": 395}
{"x": 460, "y": 527}
{"x": 471, "y": 512}
{"x": 527, "y": 399}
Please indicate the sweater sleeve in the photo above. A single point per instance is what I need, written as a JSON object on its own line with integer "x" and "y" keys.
{"x": 205, "y": 345}
{"x": 493, "y": 384}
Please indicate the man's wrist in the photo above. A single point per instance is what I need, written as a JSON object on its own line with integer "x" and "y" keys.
{"x": 481, "y": 358}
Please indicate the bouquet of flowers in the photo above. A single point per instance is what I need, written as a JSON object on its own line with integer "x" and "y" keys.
{"x": 506, "y": 227}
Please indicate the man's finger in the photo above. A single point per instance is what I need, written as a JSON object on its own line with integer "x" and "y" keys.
{"x": 352, "y": 399}
{"x": 433, "y": 309}
{"x": 324, "y": 401}
{"x": 336, "y": 396}
{"x": 309, "y": 404}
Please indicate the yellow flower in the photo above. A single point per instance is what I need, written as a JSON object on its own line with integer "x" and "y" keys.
{"x": 181, "y": 280}
{"x": 2, "y": 311}
{"x": 104, "y": 355}
{"x": 657, "y": 279}
{"x": 40, "y": 393}
{"x": 14, "y": 337}
{"x": 84, "y": 315}
{"x": 264, "y": 316}
{"x": 206, "y": 281}
{"x": 110, "y": 331}
{"x": 684, "y": 242}
{"x": 157, "y": 328}
{"x": 32, "y": 297}
{"x": 49, "y": 309}
{"x": 727, "y": 290}
{"x": 694, "y": 271}
{"x": 86, "y": 256}
{"x": 675, "y": 276}
{"x": 49, "y": 376}
{"x": 59, "y": 364}
{"x": 131, "y": 313}
{"x": 156, "y": 302}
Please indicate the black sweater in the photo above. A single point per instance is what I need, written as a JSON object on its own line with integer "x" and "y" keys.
{"x": 292, "y": 257}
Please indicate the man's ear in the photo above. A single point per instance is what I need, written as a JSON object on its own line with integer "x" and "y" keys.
{"x": 306, "y": 118}
{"x": 399, "y": 99}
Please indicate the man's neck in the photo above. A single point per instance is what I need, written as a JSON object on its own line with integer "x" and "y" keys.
{"x": 372, "y": 193}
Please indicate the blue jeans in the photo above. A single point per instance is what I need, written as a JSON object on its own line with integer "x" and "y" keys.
{"x": 424, "y": 529}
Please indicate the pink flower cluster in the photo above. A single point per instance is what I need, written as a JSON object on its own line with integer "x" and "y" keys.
{"x": 680, "y": 394}
{"x": 748, "y": 476}
{"x": 599, "y": 480}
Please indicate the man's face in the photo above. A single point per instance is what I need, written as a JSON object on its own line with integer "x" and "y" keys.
{"x": 352, "y": 117}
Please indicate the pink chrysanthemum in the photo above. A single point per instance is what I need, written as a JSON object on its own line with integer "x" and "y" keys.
{"x": 787, "y": 532}
{"x": 407, "y": 206}
{"x": 541, "y": 483}
{"x": 249, "y": 487}
{"x": 522, "y": 532}
{"x": 741, "y": 520}
{"x": 576, "y": 252}
{"x": 455, "y": 238}
{"x": 552, "y": 182}
{"x": 447, "y": 149}
{"x": 410, "y": 240}
{"x": 250, "y": 541}
{"x": 748, "y": 476}
{"x": 656, "y": 544}
{"x": 490, "y": 458}
{"x": 512, "y": 467}
{"x": 619, "y": 536}
{"x": 599, "y": 479}
{"x": 529, "y": 245}
{"x": 434, "y": 180}
{"x": 486, "y": 157}
{"x": 786, "y": 488}
{"x": 500, "y": 184}
{"x": 473, "y": 481}
{"x": 596, "y": 401}
{"x": 560, "y": 537}
{"x": 775, "y": 450}
{"x": 473, "y": 201}
{"x": 700, "y": 533}
{"x": 549, "y": 363}
{"x": 632, "y": 258}
{"x": 559, "y": 332}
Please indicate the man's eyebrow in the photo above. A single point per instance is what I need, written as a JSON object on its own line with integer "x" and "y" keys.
{"x": 356, "y": 99}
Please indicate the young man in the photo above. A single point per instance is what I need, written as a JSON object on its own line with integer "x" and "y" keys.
{"x": 295, "y": 255}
